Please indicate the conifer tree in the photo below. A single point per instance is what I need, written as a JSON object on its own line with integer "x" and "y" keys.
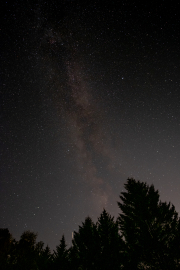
{"x": 110, "y": 242}
{"x": 61, "y": 255}
{"x": 85, "y": 245}
{"x": 150, "y": 228}
{"x": 44, "y": 256}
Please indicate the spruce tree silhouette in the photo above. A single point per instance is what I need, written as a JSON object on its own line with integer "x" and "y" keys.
{"x": 150, "y": 228}
{"x": 61, "y": 256}
{"x": 43, "y": 256}
{"x": 110, "y": 243}
{"x": 85, "y": 245}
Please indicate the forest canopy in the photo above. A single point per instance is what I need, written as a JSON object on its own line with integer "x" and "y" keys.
{"x": 146, "y": 235}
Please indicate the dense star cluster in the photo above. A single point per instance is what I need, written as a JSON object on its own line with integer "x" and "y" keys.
{"x": 90, "y": 95}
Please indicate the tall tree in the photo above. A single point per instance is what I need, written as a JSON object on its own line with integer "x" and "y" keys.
{"x": 61, "y": 256}
{"x": 150, "y": 228}
{"x": 43, "y": 256}
{"x": 110, "y": 243}
{"x": 25, "y": 254}
{"x": 85, "y": 246}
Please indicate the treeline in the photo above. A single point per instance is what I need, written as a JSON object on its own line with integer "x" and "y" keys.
{"x": 146, "y": 235}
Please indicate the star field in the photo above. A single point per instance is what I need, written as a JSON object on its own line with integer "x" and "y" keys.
{"x": 90, "y": 95}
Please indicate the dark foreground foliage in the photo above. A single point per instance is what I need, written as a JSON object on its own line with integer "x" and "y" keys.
{"x": 146, "y": 235}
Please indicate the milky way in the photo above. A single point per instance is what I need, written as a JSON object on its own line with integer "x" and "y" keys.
{"x": 89, "y": 97}
{"x": 88, "y": 139}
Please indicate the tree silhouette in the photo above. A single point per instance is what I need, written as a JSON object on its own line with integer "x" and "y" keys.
{"x": 61, "y": 256}
{"x": 85, "y": 245}
{"x": 146, "y": 235}
{"x": 110, "y": 243}
{"x": 44, "y": 256}
{"x": 150, "y": 228}
{"x": 6, "y": 243}
{"x": 25, "y": 253}
{"x": 97, "y": 246}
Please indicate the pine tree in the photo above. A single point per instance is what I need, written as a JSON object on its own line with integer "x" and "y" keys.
{"x": 44, "y": 256}
{"x": 61, "y": 255}
{"x": 110, "y": 243}
{"x": 150, "y": 228}
{"x": 85, "y": 245}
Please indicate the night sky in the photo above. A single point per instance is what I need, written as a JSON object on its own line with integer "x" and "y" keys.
{"x": 89, "y": 96}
